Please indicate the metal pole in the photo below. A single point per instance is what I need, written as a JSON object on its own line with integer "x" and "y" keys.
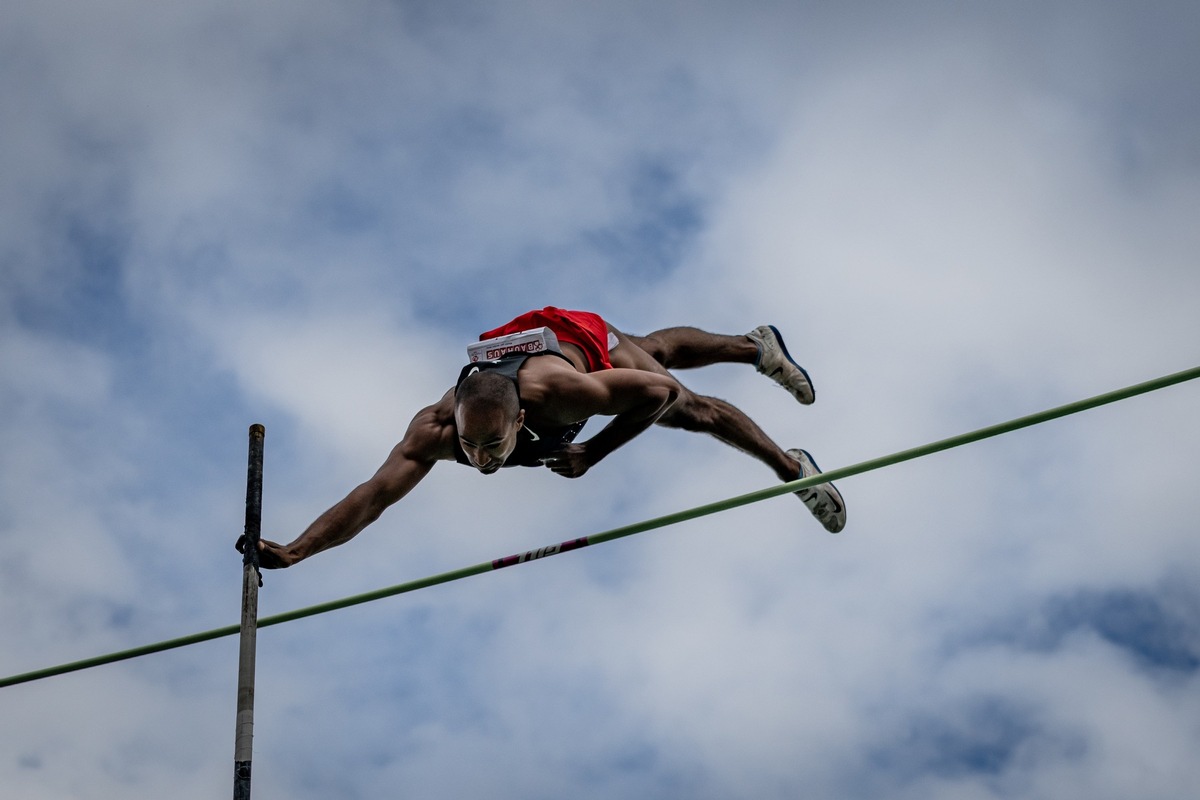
{"x": 243, "y": 747}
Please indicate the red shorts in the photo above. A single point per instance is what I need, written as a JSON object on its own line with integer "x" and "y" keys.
{"x": 585, "y": 330}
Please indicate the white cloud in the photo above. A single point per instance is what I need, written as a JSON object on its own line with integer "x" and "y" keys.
{"x": 218, "y": 215}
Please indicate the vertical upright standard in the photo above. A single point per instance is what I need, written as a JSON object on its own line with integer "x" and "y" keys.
{"x": 243, "y": 747}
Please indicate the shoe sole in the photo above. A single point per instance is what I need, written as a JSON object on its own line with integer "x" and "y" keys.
{"x": 783, "y": 348}
{"x": 834, "y": 494}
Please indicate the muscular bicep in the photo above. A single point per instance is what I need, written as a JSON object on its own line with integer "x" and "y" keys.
{"x": 427, "y": 441}
{"x": 614, "y": 392}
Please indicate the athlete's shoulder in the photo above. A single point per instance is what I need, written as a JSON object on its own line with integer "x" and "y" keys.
{"x": 432, "y": 432}
{"x": 544, "y": 377}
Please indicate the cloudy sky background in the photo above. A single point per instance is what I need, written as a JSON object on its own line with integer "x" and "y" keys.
{"x": 296, "y": 213}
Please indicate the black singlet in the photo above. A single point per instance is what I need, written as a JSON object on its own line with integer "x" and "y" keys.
{"x": 532, "y": 445}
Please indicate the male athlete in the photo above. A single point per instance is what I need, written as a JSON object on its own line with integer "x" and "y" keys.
{"x": 526, "y": 409}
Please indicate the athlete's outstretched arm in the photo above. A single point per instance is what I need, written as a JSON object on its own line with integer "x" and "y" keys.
{"x": 409, "y": 462}
{"x": 633, "y": 398}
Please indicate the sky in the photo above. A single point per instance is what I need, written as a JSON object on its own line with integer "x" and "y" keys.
{"x": 297, "y": 214}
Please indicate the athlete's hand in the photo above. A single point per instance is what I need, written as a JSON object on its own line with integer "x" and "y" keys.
{"x": 270, "y": 554}
{"x": 570, "y": 462}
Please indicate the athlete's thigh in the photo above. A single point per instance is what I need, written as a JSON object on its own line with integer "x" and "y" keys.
{"x": 629, "y": 354}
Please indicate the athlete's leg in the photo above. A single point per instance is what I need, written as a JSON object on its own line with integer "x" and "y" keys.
{"x": 687, "y": 348}
{"x": 694, "y": 412}
{"x": 711, "y": 415}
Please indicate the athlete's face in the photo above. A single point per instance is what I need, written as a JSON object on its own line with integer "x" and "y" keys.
{"x": 487, "y": 436}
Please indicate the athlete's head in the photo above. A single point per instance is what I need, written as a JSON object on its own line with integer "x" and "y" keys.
{"x": 488, "y": 415}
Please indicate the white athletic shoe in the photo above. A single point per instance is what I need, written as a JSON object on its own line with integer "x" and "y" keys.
{"x": 824, "y": 500}
{"x": 776, "y": 363}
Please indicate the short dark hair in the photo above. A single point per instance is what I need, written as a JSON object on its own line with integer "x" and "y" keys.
{"x": 488, "y": 390}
